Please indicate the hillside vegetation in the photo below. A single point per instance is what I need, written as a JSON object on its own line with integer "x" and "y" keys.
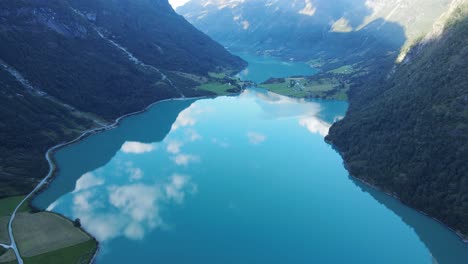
{"x": 338, "y": 32}
{"x": 408, "y": 134}
{"x": 348, "y": 41}
{"x": 67, "y": 66}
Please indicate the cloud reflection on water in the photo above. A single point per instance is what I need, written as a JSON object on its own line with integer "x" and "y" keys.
{"x": 130, "y": 210}
{"x": 123, "y": 199}
{"x": 276, "y": 106}
{"x": 137, "y": 147}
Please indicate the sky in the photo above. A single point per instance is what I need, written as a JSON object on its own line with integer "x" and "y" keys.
{"x": 177, "y": 3}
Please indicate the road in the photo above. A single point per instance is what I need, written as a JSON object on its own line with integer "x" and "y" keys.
{"x": 48, "y": 157}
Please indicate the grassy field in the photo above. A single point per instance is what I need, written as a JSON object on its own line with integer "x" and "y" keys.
{"x": 77, "y": 254}
{"x": 217, "y": 75}
{"x": 346, "y": 69}
{"x": 7, "y": 205}
{"x": 43, "y": 232}
{"x": 7, "y": 256}
{"x": 43, "y": 237}
{"x": 328, "y": 88}
{"x": 4, "y": 238}
{"x": 217, "y": 88}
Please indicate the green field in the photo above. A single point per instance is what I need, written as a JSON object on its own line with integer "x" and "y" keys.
{"x": 217, "y": 75}
{"x": 77, "y": 254}
{"x": 217, "y": 88}
{"x": 4, "y": 238}
{"x": 346, "y": 69}
{"x": 7, "y": 256}
{"x": 43, "y": 237}
{"x": 43, "y": 232}
{"x": 329, "y": 88}
{"x": 7, "y": 205}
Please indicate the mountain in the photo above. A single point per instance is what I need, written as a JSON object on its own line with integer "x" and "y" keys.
{"x": 66, "y": 66}
{"x": 346, "y": 30}
{"x": 408, "y": 134}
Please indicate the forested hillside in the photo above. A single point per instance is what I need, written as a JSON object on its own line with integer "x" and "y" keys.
{"x": 408, "y": 134}
{"x": 349, "y": 41}
{"x": 68, "y": 65}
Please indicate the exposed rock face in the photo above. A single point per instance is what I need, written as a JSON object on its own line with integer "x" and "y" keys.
{"x": 305, "y": 29}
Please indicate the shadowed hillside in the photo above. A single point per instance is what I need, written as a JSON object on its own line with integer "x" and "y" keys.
{"x": 337, "y": 30}
{"x": 408, "y": 134}
{"x": 66, "y": 66}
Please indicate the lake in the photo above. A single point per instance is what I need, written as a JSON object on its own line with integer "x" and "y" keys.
{"x": 240, "y": 179}
{"x": 262, "y": 68}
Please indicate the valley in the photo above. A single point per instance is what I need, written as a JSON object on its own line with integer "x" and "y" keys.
{"x": 308, "y": 123}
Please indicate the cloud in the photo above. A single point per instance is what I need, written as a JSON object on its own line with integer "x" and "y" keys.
{"x": 175, "y": 188}
{"x": 192, "y": 135}
{"x": 245, "y": 24}
{"x": 256, "y": 138}
{"x": 185, "y": 159}
{"x": 136, "y": 201}
{"x": 221, "y": 143}
{"x": 129, "y": 210}
{"x": 137, "y": 147}
{"x": 176, "y": 3}
{"x": 173, "y": 147}
{"x": 315, "y": 125}
{"x": 186, "y": 118}
{"x": 135, "y": 174}
{"x": 87, "y": 181}
{"x": 309, "y": 9}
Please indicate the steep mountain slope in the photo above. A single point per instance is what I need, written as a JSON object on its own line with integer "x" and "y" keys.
{"x": 409, "y": 134}
{"x": 305, "y": 29}
{"x": 68, "y": 65}
{"x": 154, "y": 33}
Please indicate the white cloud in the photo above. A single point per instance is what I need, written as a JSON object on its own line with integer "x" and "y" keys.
{"x": 137, "y": 147}
{"x": 309, "y": 9}
{"x": 176, "y": 3}
{"x": 173, "y": 147}
{"x": 193, "y": 135}
{"x": 185, "y": 159}
{"x": 188, "y": 118}
{"x": 87, "y": 181}
{"x": 174, "y": 189}
{"x": 129, "y": 210}
{"x": 245, "y": 24}
{"x": 137, "y": 201}
{"x": 256, "y": 138}
{"x": 135, "y": 174}
{"x": 315, "y": 125}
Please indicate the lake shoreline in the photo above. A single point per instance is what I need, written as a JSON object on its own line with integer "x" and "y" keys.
{"x": 91, "y": 132}
{"x": 461, "y": 236}
{"x": 49, "y": 155}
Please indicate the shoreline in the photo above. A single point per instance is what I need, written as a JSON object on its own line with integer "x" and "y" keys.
{"x": 49, "y": 155}
{"x": 43, "y": 184}
{"x": 461, "y": 236}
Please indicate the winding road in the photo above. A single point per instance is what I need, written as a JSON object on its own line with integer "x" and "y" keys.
{"x": 48, "y": 157}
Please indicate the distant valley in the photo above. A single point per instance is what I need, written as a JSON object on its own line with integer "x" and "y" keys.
{"x": 274, "y": 128}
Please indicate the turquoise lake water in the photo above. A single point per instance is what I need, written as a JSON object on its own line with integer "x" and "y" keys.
{"x": 261, "y": 68}
{"x": 242, "y": 179}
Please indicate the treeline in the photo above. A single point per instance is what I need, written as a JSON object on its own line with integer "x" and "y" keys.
{"x": 408, "y": 134}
